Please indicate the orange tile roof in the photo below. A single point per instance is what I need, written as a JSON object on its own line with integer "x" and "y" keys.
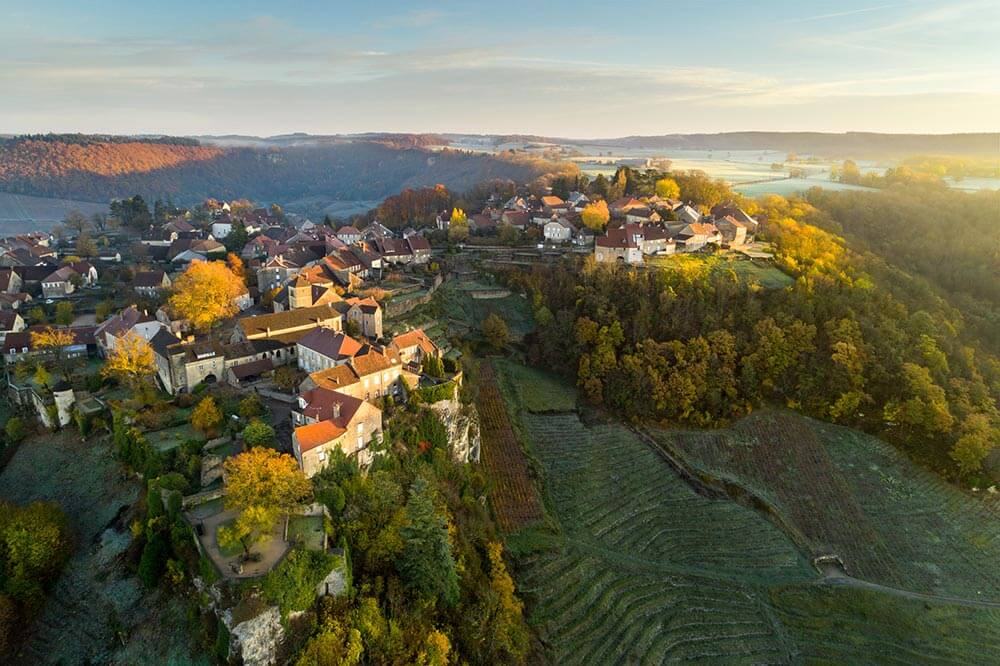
{"x": 317, "y": 434}
{"x": 414, "y": 338}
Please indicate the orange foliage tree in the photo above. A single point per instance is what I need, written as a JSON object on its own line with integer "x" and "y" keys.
{"x": 206, "y": 293}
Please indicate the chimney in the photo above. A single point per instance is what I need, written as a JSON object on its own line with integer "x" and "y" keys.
{"x": 336, "y": 410}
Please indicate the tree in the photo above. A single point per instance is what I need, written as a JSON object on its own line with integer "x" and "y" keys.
{"x": 37, "y": 315}
{"x": 286, "y": 378}
{"x": 504, "y": 611}
{"x": 495, "y": 331}
{"x": 52, "y": 342}
{"x": 432, "y": 366}
{"x": 14, "y": 429}
{"x": 251, "y": 406}
{"x": 667, "y": 188}
{"x": 258, "y": 433}
{"x": 64, "y": 313}
{"x": 76, "y": 221}
{"x": 596, "y": 215}
{"x": 976, "y": 442}
{"x": 131, "y": 361}
{"x": 85, "y": 245}
{"x": 262, "y": 484}
{"x": 42, "y": 376}
{"x": 426, "y": 563}
{"x": 206, "y": 293}
{"x": 458, "y": 226}
{"x": 206, "y": 416}
{"x": 34, "y": 545}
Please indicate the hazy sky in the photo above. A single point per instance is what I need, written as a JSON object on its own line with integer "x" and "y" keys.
{"x": 580, "y": 68}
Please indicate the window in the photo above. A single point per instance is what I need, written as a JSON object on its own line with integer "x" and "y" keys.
{"x": 361, "y": 428}
{"x": 322, "y": 456}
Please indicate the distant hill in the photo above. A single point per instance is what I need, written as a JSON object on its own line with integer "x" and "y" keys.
{"x": 279, "y": 169}
{"x": 849, "y": 144}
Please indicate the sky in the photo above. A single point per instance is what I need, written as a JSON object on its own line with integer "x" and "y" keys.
{"x": 578, "y": 69}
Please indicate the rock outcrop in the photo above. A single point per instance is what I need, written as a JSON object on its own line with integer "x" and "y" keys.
{"x": 462, "y": 423}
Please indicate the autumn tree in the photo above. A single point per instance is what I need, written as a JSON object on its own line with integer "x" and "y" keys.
{"x": 52, "y": 342}
{"x": 85, "y": 245}
{"x": 458, "y": 226}
{"x": 667, "y": 188}
{"x": 495, "y": 330}
{"x": 131, "y": 361}
{"x": 261, "y": 484}
{"x": 596, "y": 215}
{"x": 206, "y": 293}
{"x": 206, "y": 416}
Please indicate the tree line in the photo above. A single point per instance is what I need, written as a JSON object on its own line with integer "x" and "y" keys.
{"x": 855, "y": 340}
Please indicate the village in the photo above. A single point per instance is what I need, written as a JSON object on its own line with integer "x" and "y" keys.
{"x": 319, "y": 340}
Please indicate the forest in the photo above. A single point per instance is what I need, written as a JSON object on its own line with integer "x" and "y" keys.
{"x": 872, "y": 334}
{"x": 98, "y": 170}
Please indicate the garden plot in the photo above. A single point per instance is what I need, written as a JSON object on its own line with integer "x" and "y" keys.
{"x": 854, "y": 496}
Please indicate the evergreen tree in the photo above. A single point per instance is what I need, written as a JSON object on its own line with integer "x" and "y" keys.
{"x": 426, "y": 563}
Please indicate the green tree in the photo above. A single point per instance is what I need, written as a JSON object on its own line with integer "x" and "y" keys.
{"x": 495, "y": 331}
{"x": 426, "y": 564}
{"x": 64, "y": 313}
{"x": 258, "y": 433}
{"x": 14, "y": 429}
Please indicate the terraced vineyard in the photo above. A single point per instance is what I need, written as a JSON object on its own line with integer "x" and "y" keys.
{"x": 855, "y": 496}
{"x": 643, "y": 569}
{"x": 648, "y": 570}
{"x": 842, "y": 625}
{"x": 513, "y": 495}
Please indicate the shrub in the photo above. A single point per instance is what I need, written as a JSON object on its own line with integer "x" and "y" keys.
{"x": 258, "y": 433}
{"x": 154, "y": 559}
{"x": 14, "y": 429}
{"x": 292, "y": 584}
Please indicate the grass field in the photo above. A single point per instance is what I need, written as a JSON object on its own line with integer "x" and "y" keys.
{"x": 534, "y": 390}
{"x": 766, "y": 274}
{"x": 853, "y": 495}
{"x": 637, "y": 567}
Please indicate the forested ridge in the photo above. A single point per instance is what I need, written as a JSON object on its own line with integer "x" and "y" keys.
{"x": 863, "y": 337}
{"x": 93, "y": 169}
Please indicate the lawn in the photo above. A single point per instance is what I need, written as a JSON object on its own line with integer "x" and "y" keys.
{"x": 307, "y": 530}
{"x": 764, "y": 273}
{"x": 167, "y": 439}
{"x": 534, "y": 390}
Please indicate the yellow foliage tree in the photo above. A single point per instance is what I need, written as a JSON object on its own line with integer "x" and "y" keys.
{"x": 458, "y": 226}
{"x": 596, "y": 215}
{"x": 206, "y": 293}
{"x": 131, "y": 361}
{"x": 51, "y": 339}
{"x": 262, "y": 484}
{"x": 668, "y": 188}
{"x": 206, "y": 417}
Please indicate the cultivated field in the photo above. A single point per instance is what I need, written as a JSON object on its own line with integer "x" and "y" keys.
{"x": 643, "y": 569}
{"x": 533, "y": 390}
{"x": 852, "y": 495}
{"x": 513, "y": 494}
{"x": 20, "y": 212}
